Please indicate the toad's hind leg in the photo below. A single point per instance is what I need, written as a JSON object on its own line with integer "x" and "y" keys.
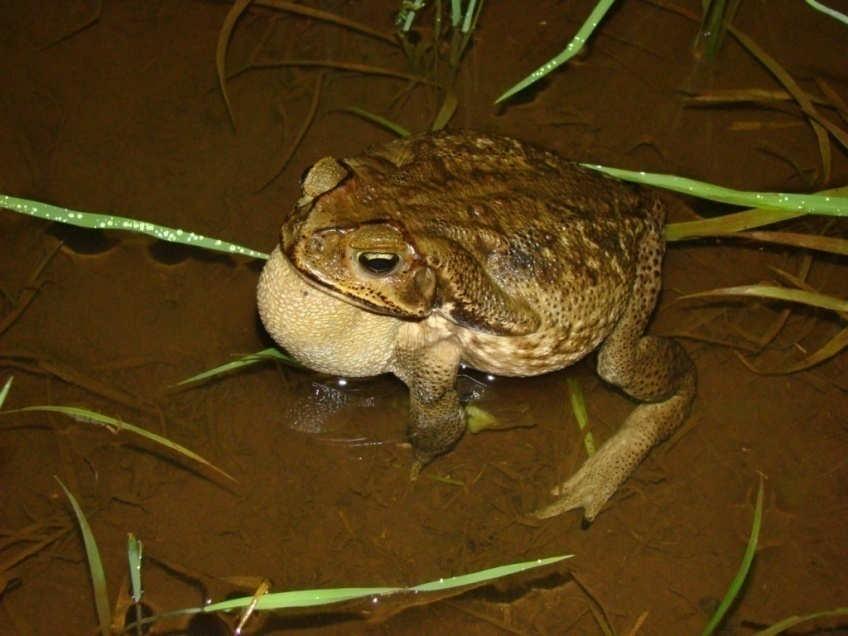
{"x": 649, "y": 368}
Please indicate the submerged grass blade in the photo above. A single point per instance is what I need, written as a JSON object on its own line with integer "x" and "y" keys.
{"x": 814, "y": 299}
{"x": 446, "y": 111}
{"x": 726, "y": 224}
{"x": 240, "y": 363}
{"x": 829, "y": 244}
{"x": 832, "y": 347}
{"x": 5, "y": 391}
{"x": 744, "y": 567}
{"x": 817, "y": 122}
{"x": 95, "y": 565}
{"x": 326, "y": 16}
{"x": 566, "y": 54}
{"x": 388, "y": 124}
{"x": 792, "y": 621}
{"x": 798, "y": 203}
{"x": 353, "y": 67}
{"x": 93, "y": 221}
{"x": 578, "y": 407}
{"x": 113, "y": 424}
{"x": 224, "y": 35}
{"x": 134, "y": 552}
{"x": 477, "y": 419}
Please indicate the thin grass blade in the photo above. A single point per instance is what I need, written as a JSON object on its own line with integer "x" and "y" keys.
{"x": 477, "y": 419}
{"x": 829, "y": 244}
{"x": 309, "y": 598}
{"x": 5, "y": 390}
{"x": 566, "y": 54}
{"x": 388, "y": 124}
{"x": 578, "y": 407}
{"x": 738, "y": 221}
{"x": 95, "y": 565}
{"x": 744, "y": 567}
{"x": 484, "y": 576}
{"x": 833, "y": 13}
{"x": 798, "y": 203}
{"x": 300, "y": 598}
{"x": 447, "y": 110}
{"x": 326, "y": 16}
{"x": 95, "y": 221}
{"x": 224, "y": 35}
{"x": 812, "y": 299}
{"x": 92, "y": 417}
{"x": 833, "y": 346}
{"x": 792, "y": 621}
{"x": 240, "y": 363}
{"x": 135, "y": 549}
{"x": 727, "y": 224}
{"x": 246, "y": 612}
{"x": 353, "y": 67}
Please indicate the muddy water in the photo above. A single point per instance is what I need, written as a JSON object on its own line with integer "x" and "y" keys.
{"x": 125, "y": 116}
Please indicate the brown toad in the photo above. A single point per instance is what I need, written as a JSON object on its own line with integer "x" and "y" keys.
{"x": 451, "y": 248}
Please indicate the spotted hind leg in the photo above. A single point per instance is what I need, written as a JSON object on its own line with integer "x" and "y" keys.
{"x": 649, "y": 368}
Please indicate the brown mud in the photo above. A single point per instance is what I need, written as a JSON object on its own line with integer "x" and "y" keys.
{"x": 125, "y": 117}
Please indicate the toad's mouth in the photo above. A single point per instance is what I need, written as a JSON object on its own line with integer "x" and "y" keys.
{"x": 371, "y": 266}
{"x": 327, "y": 286}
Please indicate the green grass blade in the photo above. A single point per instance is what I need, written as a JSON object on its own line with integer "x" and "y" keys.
{"x": 744, "y": 567}
{"x": 578, "y": 407}
{"x": 301, "y": 598}
{"x": 477, "y": 419}
{"x": 95, "y": 565}
{"x": 797, "y": 203}
{"x": 446, "y": 111}
{"x": 792, "y": 621}
{"x": 833, "y": 13}
{"x": 813, "y": 299}
{"x": 134, "y": 552}
{"x": 309, "y": 598}
{"x": 5, "y": 391}
{"x": 484, "y": 576}
{"x": 566, "y": 54}
{"x": 726, "y": 224}
{"x": 374, "y": 118}
{"x": 240, "y": 363}
{"x": 113, "y": 424}
{"x": 738, "y": 221}
{"x": 93, "y": 221}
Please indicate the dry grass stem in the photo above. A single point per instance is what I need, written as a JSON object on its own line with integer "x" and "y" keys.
{"x": 307, "y": 122}
{"x": 36, "y": 363}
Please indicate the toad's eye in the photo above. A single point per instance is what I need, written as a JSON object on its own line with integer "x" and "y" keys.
{"x": 378, "y": 263}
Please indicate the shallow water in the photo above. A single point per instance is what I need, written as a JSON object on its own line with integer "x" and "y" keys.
{"x": 125, "y": 117}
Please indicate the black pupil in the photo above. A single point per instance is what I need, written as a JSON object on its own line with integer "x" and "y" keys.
{"x": 378, "y": 263}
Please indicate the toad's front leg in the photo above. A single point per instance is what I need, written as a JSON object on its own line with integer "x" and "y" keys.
{"x": 436, "y": 418}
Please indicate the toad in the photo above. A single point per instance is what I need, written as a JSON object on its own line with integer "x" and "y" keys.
{"x": 461, "y": 248}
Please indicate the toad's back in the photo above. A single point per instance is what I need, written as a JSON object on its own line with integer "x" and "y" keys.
{"x": 561, "y": 238}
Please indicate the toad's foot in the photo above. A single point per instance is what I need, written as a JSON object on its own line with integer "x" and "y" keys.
{"x": 598, "y": 478}
{"x": 601, "y": 475}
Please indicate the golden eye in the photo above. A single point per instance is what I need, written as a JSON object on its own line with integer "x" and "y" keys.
{"x": 378, "y": 263}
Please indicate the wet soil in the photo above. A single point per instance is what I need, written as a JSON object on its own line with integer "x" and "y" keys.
{"x": 125, "y": 117}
